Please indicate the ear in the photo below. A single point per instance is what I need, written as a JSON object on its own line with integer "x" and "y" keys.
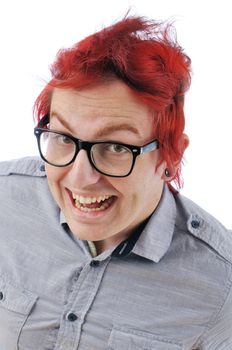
{"x": 184, "y": 143}
{"x": 169, "y": 173}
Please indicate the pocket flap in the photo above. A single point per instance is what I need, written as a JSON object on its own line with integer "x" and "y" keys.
{"x": 136, "y": 340}
{"x": 16, "y": 299}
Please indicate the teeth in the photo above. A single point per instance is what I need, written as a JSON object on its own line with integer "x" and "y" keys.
{"x": 104, "y": 206}
{"x": 89, "y": 200}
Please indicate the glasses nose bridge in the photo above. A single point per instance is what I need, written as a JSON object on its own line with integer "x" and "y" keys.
{"x": 85, "y": 145}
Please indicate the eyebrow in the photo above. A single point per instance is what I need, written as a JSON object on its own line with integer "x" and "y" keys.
{"x": 61, "y": 120}
{"x": 107, "y": 130}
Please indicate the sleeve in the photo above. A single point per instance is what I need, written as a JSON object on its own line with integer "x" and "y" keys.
{"x": 219, "y": 334}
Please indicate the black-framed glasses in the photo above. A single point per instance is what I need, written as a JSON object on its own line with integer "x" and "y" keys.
{"x": 107, "y": 157}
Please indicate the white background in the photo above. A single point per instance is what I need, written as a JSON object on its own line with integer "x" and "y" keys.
{"x": 32, "y": 31}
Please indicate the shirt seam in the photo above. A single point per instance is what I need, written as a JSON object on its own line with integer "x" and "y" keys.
{"x": 213, "y": 247}
{"x": 213, "y": 320}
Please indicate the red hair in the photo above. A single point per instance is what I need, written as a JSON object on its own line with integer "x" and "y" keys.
{"x": 145, "y": 55}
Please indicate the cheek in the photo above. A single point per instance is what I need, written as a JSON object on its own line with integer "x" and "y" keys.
{"x": 129, "y": 189}
{"x": 145, "y": 181}
{"x": 54, "y": 177}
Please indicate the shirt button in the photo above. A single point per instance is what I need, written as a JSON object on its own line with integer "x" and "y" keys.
{"x": 42, "y": 167}
{"x": 72, "y": 317}
{"x": 195, "y": 223}
{"x": 95, "y": 263}
{"x": 1, "y": 295}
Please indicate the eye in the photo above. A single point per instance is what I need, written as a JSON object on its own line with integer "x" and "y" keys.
{"x": 61, "y": 139}
{"x": 65, "y": 139}
{"x": 117, "y": 148}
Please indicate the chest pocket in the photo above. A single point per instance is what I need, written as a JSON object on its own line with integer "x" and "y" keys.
{"x": 135, "y": 340}
{"x": 15, "y": 307}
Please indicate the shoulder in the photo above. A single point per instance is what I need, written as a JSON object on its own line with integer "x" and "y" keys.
{"x": 23, "y": 182}
{"x": 204, "y": 227}
{"x": 28, "y": 166}
{"x": 24, "y": 191}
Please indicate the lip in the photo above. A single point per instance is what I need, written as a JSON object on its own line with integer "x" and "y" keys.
{"x": 89, "y": 215}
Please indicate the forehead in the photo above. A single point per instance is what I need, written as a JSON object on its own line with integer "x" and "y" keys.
{"x": 103, "y": 106}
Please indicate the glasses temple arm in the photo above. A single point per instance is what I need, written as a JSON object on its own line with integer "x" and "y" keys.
{"x": 150, "y": 147}
{"x": 44, "y": 121}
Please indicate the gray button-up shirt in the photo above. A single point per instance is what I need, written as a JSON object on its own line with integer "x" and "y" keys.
{"x": 173, "y": 290}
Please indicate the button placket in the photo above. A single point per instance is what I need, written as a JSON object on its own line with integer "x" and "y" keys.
{"x": 79, "y": 303}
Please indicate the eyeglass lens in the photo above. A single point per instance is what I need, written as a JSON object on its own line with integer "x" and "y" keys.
{"x": 112, "y": 159}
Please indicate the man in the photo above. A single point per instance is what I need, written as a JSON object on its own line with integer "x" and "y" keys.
{"x": 98, "y": 251}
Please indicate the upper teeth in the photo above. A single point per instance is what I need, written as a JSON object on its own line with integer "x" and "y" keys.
{"x": 89, "y": 200}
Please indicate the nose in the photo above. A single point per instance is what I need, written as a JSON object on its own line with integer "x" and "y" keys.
{"x": 81, "y": 172}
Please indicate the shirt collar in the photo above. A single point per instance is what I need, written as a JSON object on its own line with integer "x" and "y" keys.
{"x": 156, "y": 237}
{"x": 62, "y": 218}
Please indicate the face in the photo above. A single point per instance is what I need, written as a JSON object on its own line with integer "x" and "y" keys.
{"x": 107, "y": 112}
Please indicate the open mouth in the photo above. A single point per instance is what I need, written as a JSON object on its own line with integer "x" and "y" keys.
{"x": 92, "y": 204}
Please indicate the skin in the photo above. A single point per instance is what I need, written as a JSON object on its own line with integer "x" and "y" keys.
{"x": 105, "y": 112}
